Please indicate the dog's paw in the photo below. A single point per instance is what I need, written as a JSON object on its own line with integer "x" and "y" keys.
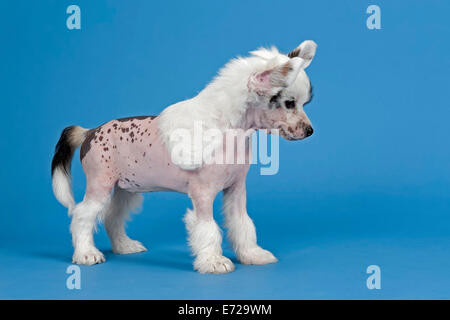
{"x": 126, "y": 246}
{"x": 256, "y": 255}
{"x": 213, "y": 264}
{"x": 88, "y": 257}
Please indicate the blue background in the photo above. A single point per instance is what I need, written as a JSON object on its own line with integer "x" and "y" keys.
{"x": 371, "y": 186}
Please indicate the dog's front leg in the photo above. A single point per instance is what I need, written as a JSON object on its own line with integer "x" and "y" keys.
{"x": 204, "y": 235}
{"x": 241, "y": 230}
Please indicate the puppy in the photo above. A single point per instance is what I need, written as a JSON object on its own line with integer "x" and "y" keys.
{"x": 129, "y": 156}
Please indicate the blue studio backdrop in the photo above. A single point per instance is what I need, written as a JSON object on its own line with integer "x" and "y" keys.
{"x": 370, "y": 187}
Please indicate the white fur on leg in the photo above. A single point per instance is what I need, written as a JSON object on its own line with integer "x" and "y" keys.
{"x": 205, "y": 240}
{"x": 242, "y": 234}
{"x": 122, "y": 202}
{"x": 256, "y": 255}
{"x": 83, "y": 224}
{"x": 128, "y": 246}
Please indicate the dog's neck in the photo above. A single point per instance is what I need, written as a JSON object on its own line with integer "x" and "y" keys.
{"x": 227, "y": 102}
{"x": 231, "y": 110}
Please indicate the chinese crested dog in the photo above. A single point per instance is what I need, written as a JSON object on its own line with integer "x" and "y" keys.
{"x": 126, "y": 157}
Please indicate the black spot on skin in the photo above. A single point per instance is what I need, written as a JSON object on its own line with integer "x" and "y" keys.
{"x": 95, "y": 133}
{"x": 127, "y": 180}
{"x": 86, "y": 145}
{"x": 106, "y": 149}
{"x": 137, "y": 118}
{"x": 132, "y": 134}
{"x": 275, "y": 100}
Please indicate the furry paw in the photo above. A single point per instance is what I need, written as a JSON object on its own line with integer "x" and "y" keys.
{"x": 213, "y": 264}
{"x": 256, "y": 255}
{"x": 126, "y": 246}
{"x": 88, "y": 257}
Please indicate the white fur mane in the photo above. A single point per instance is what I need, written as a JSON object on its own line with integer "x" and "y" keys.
{"x": 223, "y": 103}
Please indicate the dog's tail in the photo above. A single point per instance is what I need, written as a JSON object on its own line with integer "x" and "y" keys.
{"x": 71, "y": 138}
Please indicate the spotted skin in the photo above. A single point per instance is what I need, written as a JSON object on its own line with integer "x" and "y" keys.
{"x": 129, "y": 152}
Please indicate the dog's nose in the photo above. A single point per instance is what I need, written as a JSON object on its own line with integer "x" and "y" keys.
{"x": 309, "y": 131}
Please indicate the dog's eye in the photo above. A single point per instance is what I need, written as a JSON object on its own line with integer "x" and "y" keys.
{"x": 290, "y": 104}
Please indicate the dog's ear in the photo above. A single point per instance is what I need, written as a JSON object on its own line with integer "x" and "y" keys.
{"x": 276, "y": 78}
{"x": 306, "y": 51}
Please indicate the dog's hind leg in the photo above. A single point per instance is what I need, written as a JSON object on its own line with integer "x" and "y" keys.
{"x": 121, "y": 203}
{"x": 241, "y": 230}
{"x": 204, "y": 236}
{"x": 85, "y": 216}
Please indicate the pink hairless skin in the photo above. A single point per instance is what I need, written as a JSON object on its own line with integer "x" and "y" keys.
{"x": 129, "y": 152}
{"x": 129, "y": 156}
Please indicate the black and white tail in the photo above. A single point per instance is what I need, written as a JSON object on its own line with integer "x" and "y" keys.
{"x": 71, "y": 138}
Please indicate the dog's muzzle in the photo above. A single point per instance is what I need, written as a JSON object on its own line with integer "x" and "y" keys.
{"x": 296, "y": 134}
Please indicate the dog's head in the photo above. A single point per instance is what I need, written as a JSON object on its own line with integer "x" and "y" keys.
{"x": 280, "y": 89}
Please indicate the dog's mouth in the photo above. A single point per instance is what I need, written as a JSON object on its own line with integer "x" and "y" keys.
{"x": 288, "y": 136}
{"x": 281, "y": 129}
{"x": 284, "y": 132}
